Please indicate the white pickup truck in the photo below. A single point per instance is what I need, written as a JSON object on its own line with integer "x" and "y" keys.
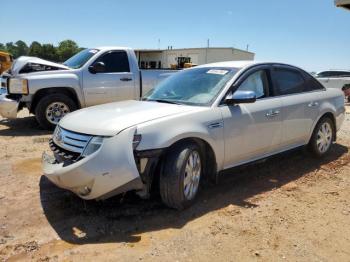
{"x": 91, "y": 77}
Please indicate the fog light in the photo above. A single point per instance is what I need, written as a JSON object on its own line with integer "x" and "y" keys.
{"x": 84, "y": 191}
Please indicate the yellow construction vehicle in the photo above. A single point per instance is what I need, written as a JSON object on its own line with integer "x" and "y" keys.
{"x": 182, "y": 62}
{"x": 5, "y": 61}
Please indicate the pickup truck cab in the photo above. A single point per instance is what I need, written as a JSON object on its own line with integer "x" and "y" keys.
{"x": 91, "y": 77}
{"x": 194, "y": 124}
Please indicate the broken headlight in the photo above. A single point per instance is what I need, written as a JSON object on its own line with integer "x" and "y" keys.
{"x": 94, "y": 144}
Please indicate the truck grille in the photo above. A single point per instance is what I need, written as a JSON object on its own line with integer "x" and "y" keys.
{"x": 68, "y": 145}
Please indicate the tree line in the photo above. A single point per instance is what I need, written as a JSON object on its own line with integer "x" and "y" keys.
{"x": 60, "y": 53}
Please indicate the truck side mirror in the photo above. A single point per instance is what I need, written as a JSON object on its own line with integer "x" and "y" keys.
{"x": 98, "y": 67}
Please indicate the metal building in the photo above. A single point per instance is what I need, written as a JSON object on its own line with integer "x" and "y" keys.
{"x": 171, "y": 58}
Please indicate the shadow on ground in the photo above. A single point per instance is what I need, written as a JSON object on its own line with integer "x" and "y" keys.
{"x": 122, "y": 219}
{"x": 26, "y": 126}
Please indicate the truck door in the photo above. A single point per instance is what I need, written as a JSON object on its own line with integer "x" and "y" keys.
{"x": 112, "y": 82}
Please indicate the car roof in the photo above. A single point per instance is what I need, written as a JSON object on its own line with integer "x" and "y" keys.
{"x": 104, "y": 48}
{"x": 245, "y": 64}
{"x": 334, "y": 70}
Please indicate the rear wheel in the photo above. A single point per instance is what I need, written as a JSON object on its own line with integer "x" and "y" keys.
{"x": 181, "y": 175}
{"x": 52, "y": 108}
{"x": 322, "y": 137}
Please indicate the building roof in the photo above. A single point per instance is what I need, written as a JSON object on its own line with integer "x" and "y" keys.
{"x": 189, "y": 48}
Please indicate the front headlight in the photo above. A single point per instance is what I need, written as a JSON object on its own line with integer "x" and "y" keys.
{"x": 18, "y": 86}
{"x": 94, "y": 144}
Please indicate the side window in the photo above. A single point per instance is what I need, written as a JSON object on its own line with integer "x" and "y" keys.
{"x": 312, "y": 84}
{"x": 288, "y": 81}
{"x": 115, "y": 62}
{"x": 256, "y": 82}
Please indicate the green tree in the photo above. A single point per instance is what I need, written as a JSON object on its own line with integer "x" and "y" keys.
{"x": 2, "y": 47}
{"x": 48, "y": 52}
{"x": 22, "y": 48}
{"x": 67, "y": 49}
{"x": 35, "y": 49}
{"x": 12, "y": 49}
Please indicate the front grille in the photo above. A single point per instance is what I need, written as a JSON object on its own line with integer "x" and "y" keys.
{"x": 68, "y": 146}
{"x": 70, "y": 141}
{"x": 63, "y": 155}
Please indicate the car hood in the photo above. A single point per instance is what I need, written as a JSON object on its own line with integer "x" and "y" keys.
{"x": 110, "y": 119}
{"x": 20, "y": 62}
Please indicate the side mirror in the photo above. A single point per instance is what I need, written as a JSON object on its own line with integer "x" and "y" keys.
{"x": 98, "y": 67}
{"x": 240, "y": 97}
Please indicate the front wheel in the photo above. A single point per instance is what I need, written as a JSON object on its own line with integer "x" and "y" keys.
{"x": 322, "y": 137}
{"x": 52, "y": 108}
{"x": 181, "y": 175}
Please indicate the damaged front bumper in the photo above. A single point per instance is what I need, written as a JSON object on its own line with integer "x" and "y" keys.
{"x": 109, "y": 171}
{"x": 8, "y": 106}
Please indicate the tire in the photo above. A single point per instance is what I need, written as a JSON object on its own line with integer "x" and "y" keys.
{"x": 176, "y": 168}
{"x": 65, "y": 106}
{"x": 322, "y": 137}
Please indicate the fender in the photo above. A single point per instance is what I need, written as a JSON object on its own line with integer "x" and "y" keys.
{"x": 56, "y": 79}
{"x": 335, "y": 108}
{"x": 165, "y": 132}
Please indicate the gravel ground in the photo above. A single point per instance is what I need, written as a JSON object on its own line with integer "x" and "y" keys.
{"x": 292, "y": 207}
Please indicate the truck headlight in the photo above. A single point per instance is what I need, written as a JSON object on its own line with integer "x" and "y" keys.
{"x": 94, "y": 144}
{"x": 18, "y": 86}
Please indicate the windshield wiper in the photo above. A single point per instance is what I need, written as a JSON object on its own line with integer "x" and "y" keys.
{"x": 163, "y": 101}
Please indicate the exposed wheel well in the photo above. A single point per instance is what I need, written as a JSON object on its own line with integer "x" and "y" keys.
{"x": 53, "y": 90}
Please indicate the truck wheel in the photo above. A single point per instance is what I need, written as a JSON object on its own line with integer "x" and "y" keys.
{"x": 181, "y": 174}
{"x": 322, "y": 137}
{"x": 52, "y": 108}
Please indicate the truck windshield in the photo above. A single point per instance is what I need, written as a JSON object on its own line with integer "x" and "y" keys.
{"x": 80, "y": 58}
{"x": 196, "y": 86}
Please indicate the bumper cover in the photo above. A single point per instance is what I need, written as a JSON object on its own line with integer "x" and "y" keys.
{"x": 109, "y": 171}
{"x": 8, "y": 107}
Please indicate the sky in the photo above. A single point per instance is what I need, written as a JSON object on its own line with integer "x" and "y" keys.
{"x": 312, "y": 34}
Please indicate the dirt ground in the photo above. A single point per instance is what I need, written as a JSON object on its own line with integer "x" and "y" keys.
{"x": 292, "y": 207}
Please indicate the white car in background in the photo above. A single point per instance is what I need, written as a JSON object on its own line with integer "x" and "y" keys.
{"x": 336, "y": 79}
{"x": 194, "y": 124}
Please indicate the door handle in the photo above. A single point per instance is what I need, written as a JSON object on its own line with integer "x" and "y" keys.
{"x": 272, "y": 113}
{"x": 125, "y": 79}
{"x": 313, "y": 104}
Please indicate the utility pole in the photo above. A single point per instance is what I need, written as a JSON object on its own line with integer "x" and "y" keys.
{"x": 159, "y": 43}
{"x": 248, "y": 47}
{"x": 206, "y": 51}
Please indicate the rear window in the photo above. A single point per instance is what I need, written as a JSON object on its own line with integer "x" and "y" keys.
{"x": 288, "y": 81}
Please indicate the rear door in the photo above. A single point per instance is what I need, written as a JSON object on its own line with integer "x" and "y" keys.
{"x": 299, "y": 94}
{"x": 116, "y": 83}
{"x": 252, "y": 130}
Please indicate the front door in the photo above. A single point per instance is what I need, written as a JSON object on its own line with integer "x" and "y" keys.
{"x": 115, "y": 83}
{"x": 252, "y": 130}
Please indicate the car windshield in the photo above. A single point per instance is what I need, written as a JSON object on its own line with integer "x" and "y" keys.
{"x": 80, "y": 58}
{"x": 196, "y": 86}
